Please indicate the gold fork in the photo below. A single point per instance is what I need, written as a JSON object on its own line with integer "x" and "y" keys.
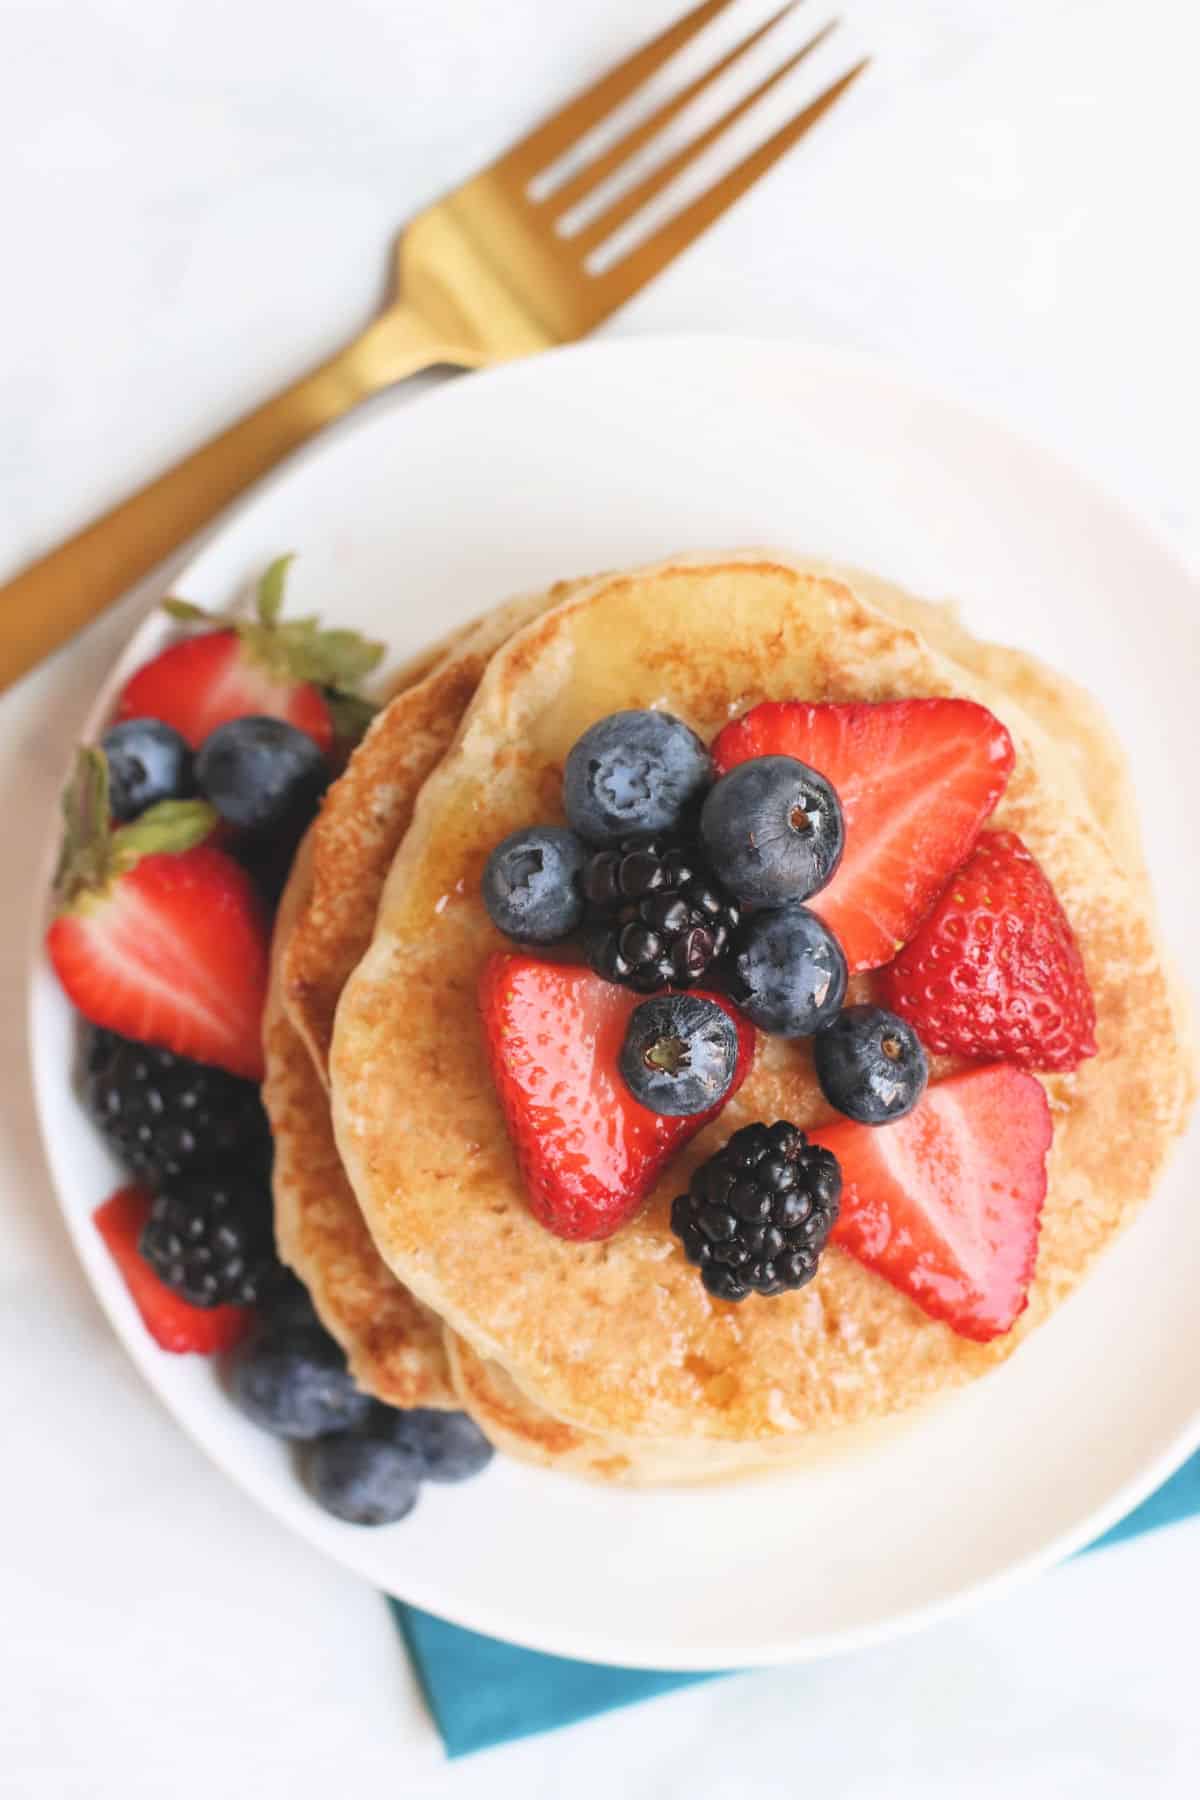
{"x": 484, "y": 275}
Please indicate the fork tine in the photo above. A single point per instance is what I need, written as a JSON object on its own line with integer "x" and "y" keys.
{"x": 572, "y": 191}
{"x": 649, "y": 258}
{"x": 535, "y": 152}
{"x": 628, "y": 204}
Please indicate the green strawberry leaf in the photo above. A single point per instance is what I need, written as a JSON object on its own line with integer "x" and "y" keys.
{"x": 270, "y": 590}
{"x": 189, "y": 614}
{"x": 167, "y": 829}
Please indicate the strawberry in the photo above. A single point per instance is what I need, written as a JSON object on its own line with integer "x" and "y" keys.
{"x": 171, "y": 1322}
{"x": 916, "y": 780}
{"x": 944, "y": 1204}
{"x": 159, "y": 936}
{"x": 589, "y": 1152}
{"x": 995, "y": 970}
{"x": 253, "y": 667}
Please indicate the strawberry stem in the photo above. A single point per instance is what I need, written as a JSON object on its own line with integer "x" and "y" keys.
{"x": 93, "y": 855}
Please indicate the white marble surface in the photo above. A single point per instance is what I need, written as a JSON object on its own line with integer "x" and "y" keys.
{"x": 196, "y": 203}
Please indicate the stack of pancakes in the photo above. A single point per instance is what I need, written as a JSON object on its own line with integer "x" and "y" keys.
{"x": 397, "y": 1195}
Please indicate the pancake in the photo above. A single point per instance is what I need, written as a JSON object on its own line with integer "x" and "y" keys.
{"x": 355, "y": 837}
{"x": 620, "y": 1338}
{"x": 393, "y": 1344}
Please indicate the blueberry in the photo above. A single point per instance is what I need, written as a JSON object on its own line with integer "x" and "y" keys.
{"x": 295, "y": 1384}
{"x": 679, "y": 1055}
{"x": 262, "y": 775}
{"x": 633, "y": 772}
{"x": 870, "y": 1065}
{"x": 363, "y": 1480}
{"x": 531, "y": 885}
{"x": 286, "y": 1306}
{"x": 773, "y": 830}
{"x": 787, "y": 973}
{"x": 147, "y": 762}
{"x": 447, "y": 1446}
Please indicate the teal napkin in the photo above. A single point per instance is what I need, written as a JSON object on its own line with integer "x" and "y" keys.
{"x": 483, "y": 1692}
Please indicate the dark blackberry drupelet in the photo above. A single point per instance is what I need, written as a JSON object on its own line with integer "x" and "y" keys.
{"x": 166, "y": 1116}
{"x": 758, "y": 1214}
{"x": 656, "y": 917}
{"x": 210, "y": 1239}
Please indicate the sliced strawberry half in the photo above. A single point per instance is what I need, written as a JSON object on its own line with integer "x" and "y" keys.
{"x": 171, "y": 1322}
{"x": 995, "y": 970}
{"x": 159, "y": 936}
{"x": 589, "y": 1152}
{"x": 916, "y": 780}
{"x": 260, "y": 667}
{"x": 945, "y": 1203}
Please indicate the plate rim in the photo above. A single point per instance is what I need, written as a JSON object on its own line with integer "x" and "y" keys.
{"x": 119, "y": 1310}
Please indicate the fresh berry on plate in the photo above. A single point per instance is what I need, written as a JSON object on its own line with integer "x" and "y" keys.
{"x": 294, "y": 1383}
{"x": 916, "y": 779}
{"x": 158, "y": 936}
{"x": 531, "y": 884}
{"x": 263, "y": 776}
{"x": 757, "y": 1215}
{"x": 447, "y": 1446}
{"x": 634, "y": 772}
{"x": 147, "y": 762}
{"x": 171, "y": 1322}
{"x": 870, "y": 1065}
{"x": 209, "y": 1238}
{"x": 656, "y": 916}
{"x": 945, "y": 1203}
{"x": 995, "y": 971}
{"x": 164, "y": 1115}
{"x": 680, "y": 1054}
{"x": 786, "y": 971}
{"x": 773, "y": 831}
{"x": 286, "y": 1305}
{"x": 589, "y": 1153}
{"x": 263, "y": 665}
{"x": 362, "y": 1480}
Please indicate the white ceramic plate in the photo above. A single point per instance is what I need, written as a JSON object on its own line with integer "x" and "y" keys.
{"x": 422, "y": 514}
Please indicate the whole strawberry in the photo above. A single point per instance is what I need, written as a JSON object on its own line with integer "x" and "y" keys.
{"x": 158, "y": 935}
{"x": 994, "y": 972}
{"x": 261, "y": 667}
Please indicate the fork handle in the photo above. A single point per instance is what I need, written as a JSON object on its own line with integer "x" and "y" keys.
{"x": 54, "y": 597}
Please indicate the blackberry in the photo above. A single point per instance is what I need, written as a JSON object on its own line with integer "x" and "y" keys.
{"x": 655, "y": 915}
{"x": 210, "y": 1239}
{"x": 757, "y": 1215}
{"x": 166, "y": 1116}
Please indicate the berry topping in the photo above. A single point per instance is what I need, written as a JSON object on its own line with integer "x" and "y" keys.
{"x": 916, "y": 779}
{"x": 656, "y": 917}
{"x": 870, "y": 1065}
{"x": 773, "y": 830}
{"x": 995, "y": 971}
{"x": 945, "y": 1203}
{"x": 171, "y": 1322}
{"x": 757, "y": 1215}
{"x": 209, "y": 1238}
{"x": 589, "y": 1152}
{"x": 294, "y": 1383}
{"x": 165, "y": 1115}
{"x": 531, "y": 884}
{"x": 159, "y": 936}
{"x": 447, "y": 1446}
{"x": 786, "y": 971}
{"x": 248, "y": 667}
{"x": 263, "y": 776}
{"x": 147, "y": 762}
{"x": 634, "y": 772}
{"x": 680, "y": 1054}
{"x": 362, "y": 1480}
